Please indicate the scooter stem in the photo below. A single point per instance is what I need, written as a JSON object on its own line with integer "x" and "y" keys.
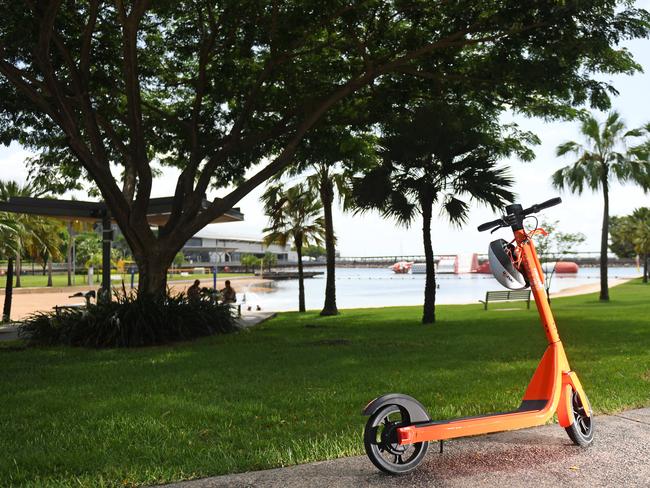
{"x": 535, "y": 275}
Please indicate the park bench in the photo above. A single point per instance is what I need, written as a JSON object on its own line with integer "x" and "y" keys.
{"x": 76, "y": 306}
{"x": 506, "y": 296}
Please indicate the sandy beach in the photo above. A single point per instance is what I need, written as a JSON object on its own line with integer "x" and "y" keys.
{"x": 588, "y": 288}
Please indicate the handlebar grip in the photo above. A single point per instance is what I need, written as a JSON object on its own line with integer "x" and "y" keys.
{"x": 488, "y": 225}
{"x": 548, "y": 203}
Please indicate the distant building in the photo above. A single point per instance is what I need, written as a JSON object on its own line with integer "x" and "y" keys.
{"x": 207, "y": 247}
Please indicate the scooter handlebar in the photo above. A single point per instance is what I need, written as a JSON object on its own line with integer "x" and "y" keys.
{"x": 506, "y": 219}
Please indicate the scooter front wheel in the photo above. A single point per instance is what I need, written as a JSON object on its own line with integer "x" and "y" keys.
{"x": 581, "y": 431}
{"x": 380, "y": 441}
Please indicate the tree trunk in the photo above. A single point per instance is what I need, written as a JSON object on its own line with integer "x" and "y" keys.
{"x": 49, "y": 272}
{"x": 9, "y": 285}
{"x": 645, "y": 267}
{"x": 152, "y": 278}
{"x": 69, "y": 254}
{"x": 19, "y": 268}
{"x": 301, "y": 277}
{"x": 429, "y": 311}
{"x": 327, "y": 198}
{"x": 604, "y": 289}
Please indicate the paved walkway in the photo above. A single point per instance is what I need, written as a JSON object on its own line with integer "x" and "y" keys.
{"x": 250, "y": 319}
{"x": 539, "y": 457}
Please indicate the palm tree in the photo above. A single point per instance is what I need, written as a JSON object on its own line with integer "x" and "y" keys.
{"x": 9, "y": 237}
{"x": 44, "y": 240}
{"x": 293, "y": 216}
{"x": 439, "y": 155}
{"x": 29, "y": 233}
{"x": 36, "y": 229}
{"x": 328, "y": 160}
{"x": 602, "y": 158}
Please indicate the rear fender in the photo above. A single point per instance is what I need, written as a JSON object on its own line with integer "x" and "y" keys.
{"x": 415, "y": 410}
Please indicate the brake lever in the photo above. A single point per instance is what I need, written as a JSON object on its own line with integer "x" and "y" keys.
{"x": 496, "y": 229}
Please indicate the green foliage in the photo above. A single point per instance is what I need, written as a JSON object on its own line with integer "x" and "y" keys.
{"x": 630, "y": 234}
{"x": 179, "y": 259}
{"x": 314, "y": 251}
{"x": 88, "y": 244}
{"x": 603, "y": 157}
{"x": 40, "y": 238}
{"x": 620, "y": 241}
{"x": 250, "y": 261}
{"x": 270, "y": 259}
{"x": 9, "y": 236}
{"x": 556, "y": 244}
{"x": 293, "y": 216}
{"x": 131, "y": 320}
{"x": 441, "y": 154}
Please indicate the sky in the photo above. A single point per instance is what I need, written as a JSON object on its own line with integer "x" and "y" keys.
{"x": 370, "y": 235}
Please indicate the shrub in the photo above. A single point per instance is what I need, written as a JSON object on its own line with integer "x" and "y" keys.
{"x": 131, "y": 320}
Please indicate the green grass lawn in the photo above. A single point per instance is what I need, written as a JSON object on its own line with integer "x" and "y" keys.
{"x": 29, "y": 281}
{"x": 291, "y": 390}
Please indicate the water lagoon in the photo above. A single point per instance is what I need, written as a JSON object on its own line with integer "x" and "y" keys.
{"x": 380, "y": 287}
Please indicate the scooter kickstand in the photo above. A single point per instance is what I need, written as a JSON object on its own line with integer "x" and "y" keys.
{"x": 441, "y": 446}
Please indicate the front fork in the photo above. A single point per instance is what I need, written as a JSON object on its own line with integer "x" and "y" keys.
{"x": 570, "y": 383}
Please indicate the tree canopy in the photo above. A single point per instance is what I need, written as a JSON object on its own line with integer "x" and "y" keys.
{"x": 111, "y": 91}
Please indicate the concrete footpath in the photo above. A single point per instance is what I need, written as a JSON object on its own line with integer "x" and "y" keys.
{"x": 539, "y": 457}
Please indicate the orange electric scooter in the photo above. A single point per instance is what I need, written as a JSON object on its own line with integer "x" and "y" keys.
{"x": 399, "y": 430}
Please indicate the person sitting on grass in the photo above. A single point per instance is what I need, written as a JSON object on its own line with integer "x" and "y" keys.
{"x": 228, "y": 293}
{"x": 194, "y": 291}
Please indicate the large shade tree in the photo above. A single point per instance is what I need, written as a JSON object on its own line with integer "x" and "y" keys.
{"x": 107, "y": 91}
{"x": 441, "y": 155}
{"x": 603, "y": 157}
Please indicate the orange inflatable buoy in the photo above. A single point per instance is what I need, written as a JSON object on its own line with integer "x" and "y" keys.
{"x": 568, "y": 267}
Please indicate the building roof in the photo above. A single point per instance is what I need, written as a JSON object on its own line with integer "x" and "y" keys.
{"x": 157, "y": 214}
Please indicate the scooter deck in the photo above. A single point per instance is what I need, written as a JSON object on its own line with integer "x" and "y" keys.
{"x": 529, "y": 414}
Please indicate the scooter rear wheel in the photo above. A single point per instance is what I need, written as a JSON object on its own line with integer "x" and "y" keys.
{"x": 581, "y": 431}
{"x": 380, "y": 441}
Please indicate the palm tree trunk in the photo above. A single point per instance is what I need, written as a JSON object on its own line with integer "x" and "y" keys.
{"x": 19, "y": 268}
{"x": 604, "y": 289}
{"x": 49, "y": 272}
{"x": 68, "y": 256}
{"x": 645, "y": 267}
{"x": 327, "y": 198}
{"x": 429, "y": 310}
{"x": 6, "y": 309}
{"x": 301, "y": 277}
